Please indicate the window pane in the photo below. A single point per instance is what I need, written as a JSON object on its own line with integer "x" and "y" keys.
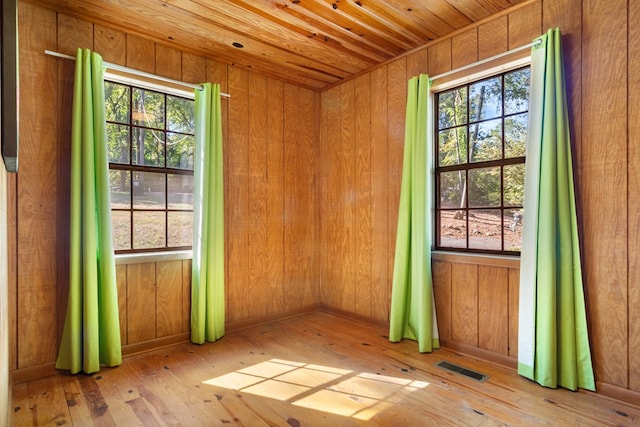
{"x": 147, "y": 108}
{"x": 484, "y": 187}
{"x": 486, "y": 141}
{"x": 121, "y": 228}
{"x": 148, "y": 190}
{"x": 120, "y": 183}
{"x": 453, "y": 229}
{"x": 516, "y": 91}
{"x": 513, "y": 177}
{"x": 452, "y": 187}
{"x": 452, "y": 146}
{"x": 180, "y": 191}
{"x": 118, "y": 143}
{"x": 512, "y": 229}
{"x": 148, "y": 147}
{"x": 180, "y": 114}
{"x": 485, "y": 228}
{"x": 148, "y": 230}
{"x": 116, "y": 102}
{"x": 180, "y": 228}
{"x": 515, "y": 135}
{"x": 180, "y": 149}
{"x": 485, "y": 99}
{"x": 452, "y": 108}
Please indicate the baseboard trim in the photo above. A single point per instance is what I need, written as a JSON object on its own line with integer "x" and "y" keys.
{"x": 264, "y": 320}
{"x": 33, "y": 373}
{"x": 480, "y": 353}
{"x": 618, "y": 393}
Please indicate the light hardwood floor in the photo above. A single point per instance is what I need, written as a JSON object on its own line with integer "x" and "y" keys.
{"x": 319, "y": 369}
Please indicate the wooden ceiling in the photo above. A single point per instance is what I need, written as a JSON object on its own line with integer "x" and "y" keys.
{"x": 312, "y": 43}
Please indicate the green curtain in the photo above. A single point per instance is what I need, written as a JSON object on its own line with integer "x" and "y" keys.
{"x": 207, "y": 276}
{"x": 91, "y": 334}
{"x": 413, "y": 313}
{"x": 553, "y": 344}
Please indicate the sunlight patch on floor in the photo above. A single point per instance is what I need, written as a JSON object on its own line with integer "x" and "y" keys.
{"x": 323, "y": 388}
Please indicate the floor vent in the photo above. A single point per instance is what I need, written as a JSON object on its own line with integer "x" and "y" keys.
{"x": 477, "y": 376}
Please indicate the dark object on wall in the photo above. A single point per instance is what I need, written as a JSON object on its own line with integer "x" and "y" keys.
{"x": 9, "y": 86}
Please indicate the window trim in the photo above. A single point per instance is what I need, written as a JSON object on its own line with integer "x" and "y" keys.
{"x": 166, "y": 253}
{"x": 482, "y": 72}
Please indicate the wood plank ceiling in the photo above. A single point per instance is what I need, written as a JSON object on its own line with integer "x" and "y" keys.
{"x": 313, "y": 43}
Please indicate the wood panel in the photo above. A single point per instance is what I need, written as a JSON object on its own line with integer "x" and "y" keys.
{"x": 380, "y": 283}
{"x": 121, "y": 284}
{"x": 492, "y": 37}
{"x": 168, "y": 298}
{"x": 493, "y": 309}
{"x": 5, "y": 389}
{"x": 362, "y": 183}
{"x": 141, "y": 54}
{"x": 257, "y": 181}
{"x": 464, "y": 48}
{"x": 37, "y": 304}
{"x": 186, "y": 295}
{"x": 441, "y": 271}
{"x": 417, "y": 63}
{"x": 111, "y": 44}
{"x": 525, "y": 24}
{"x": 464, "y": 303}
{"x": 397, "y": 103}
{"x": 346, "y": 197}
{"x": 604, "y": 180}
{"x": 141, "y": 302}
{"x": 439, "y": 57}
{"x": 634, "y": 200}
{"x": 168, "y": 62}
{"x": 514, "y": 292}
{"x": 238, "y": 203}
{"x": 275, "y": 205}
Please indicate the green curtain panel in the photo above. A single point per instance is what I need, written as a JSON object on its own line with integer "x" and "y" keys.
{"x": 413, "y": 312}
{"x": 553, "y": 344}
{"x": 91, "y": 334}
{"x": 207, "y": 277}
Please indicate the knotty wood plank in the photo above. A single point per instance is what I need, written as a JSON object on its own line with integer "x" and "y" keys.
{"x": 464, "y": 303}
{"x": 492, "y": 37}
{"x": 238, "y": 203}
{"x": 141, "y": 54}
{"x": 141, "y": 302}
{"x": 257, "y": 213}
{"x": 37, "y": 192}
{"x": 168, "y": 62}
{"x": 111, "y": 44}
{"x": 604, "y": 180}
{"x": 514, "y": 293}
{"x": 493, "y": 309}
{"x": 169, "y": 292}
{"x": 346, "y": 247}
{"x": 464, "y": 48}
{"x": 441, "y": 271}
{"x": 440, "y": 57}
{"x": 184, "y": 382}
{"x": 380, "y": 227}
{"x": 362, "y": 219}
{"x": 47, "y": 401}
{"x": 275, "y": 194}
{"x": 525, "y": 24}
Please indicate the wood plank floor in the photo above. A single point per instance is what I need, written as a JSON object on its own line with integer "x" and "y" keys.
{"x": 319, "y": 369}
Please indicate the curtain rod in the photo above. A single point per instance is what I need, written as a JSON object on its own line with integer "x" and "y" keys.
{"x": 135, "y": 72}
{"x": 484, "y": 61}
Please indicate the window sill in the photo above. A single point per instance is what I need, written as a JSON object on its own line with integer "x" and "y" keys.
{"x": 473, "y": 258}
{"x": 153, "y": 257}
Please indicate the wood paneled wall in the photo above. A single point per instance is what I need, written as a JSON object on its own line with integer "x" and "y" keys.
{"x": 269, "y": 129}
{"x": 5, "y": 390}
{"x": 360, "y": 185}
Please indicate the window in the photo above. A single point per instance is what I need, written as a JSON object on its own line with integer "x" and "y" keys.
{"x": 150, "y": 137}
{"x": 481, "y": 134}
